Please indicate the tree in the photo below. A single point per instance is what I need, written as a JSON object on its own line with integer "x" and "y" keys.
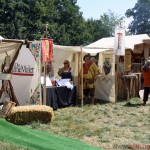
{"x": 23, "y": 19}
{"x": 103, "y": 27}
{"x": 141, "y": 17}
{"x": 69, "y": 23}
{"x": 26, "y": 19}
{"x": 110, "y": 21}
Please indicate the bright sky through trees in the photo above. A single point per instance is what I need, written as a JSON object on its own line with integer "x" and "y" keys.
{"x": 95, "y": 8}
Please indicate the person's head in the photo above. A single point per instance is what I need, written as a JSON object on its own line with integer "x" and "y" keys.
{"x": 146, "y": 66}
{"x": 93, "y": 59}
{"x": 86, "y": 58}
{"x": 66, "y": 63}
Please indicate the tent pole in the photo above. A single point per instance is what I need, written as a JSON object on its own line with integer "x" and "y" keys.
{"x": 78, "y": 73}
{"x": 81, "y": 77}
{"x": 116, "y": 82}
{"x": 40, "y": 72}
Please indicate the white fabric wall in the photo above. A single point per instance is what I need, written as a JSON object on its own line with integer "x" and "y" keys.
{"x": 24, "y": 85}
{"x": 105, "y": 84}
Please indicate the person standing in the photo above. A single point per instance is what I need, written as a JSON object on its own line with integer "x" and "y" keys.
{"x": 146, "y": 81}
{"x": 90, "y": 73}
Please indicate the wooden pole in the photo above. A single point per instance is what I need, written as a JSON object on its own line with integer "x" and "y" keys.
{"x": 78, "y": 73}
{"x": 45, "y": 73}
{"x": 116, "y": 82}
{"x": 44, "y": 95}
{"x": 40, "y": 70}
{"x": 81, "y": 76}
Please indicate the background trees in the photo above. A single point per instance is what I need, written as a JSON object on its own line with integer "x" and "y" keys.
{"x": 26, "y": 19}
{"x": 141, "y": 17}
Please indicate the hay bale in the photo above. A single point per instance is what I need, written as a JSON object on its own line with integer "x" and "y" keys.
{"x": 26, "y": 114}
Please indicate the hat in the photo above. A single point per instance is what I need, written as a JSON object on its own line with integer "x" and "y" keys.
{"x": 87, "y": 55}
{"x": 66, "y": 62}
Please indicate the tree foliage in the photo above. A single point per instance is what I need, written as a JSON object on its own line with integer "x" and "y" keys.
{"x": 103, "y": 27}
{"x": 141, "y": 17}
{"x": 110, "y": 21}
{"x": 26, "y": 19}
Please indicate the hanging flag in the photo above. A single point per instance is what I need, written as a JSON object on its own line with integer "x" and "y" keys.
{"x": 47, "y": 50}
{"x": 119, "y": 41}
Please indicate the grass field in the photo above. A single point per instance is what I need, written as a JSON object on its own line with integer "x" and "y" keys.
{"x": 110, "y": 126}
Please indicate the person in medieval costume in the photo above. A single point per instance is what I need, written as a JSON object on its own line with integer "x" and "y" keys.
{"x": 66, "y": 72}
{"x": 146, "y": 81}
{"x": 90, "y": 73}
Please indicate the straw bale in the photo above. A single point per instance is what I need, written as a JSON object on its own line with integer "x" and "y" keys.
{"x": 26, "y": 114}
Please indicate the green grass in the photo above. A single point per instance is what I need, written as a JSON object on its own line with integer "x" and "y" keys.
{"x": 7, "y": 146}
{"x": 102, "y": 125}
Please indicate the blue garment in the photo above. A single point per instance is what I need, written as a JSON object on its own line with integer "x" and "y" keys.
{"x": 66, "y": 75}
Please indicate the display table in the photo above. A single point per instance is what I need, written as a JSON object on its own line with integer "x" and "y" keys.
{"x": 59, "y": 97}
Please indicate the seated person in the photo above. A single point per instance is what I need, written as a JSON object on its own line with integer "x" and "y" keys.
{"x": 65, "y": 72}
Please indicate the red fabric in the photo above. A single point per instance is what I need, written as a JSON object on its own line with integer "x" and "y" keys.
{"x": 146, "y": 77}
{"x": 47, "y": 50}
{"x": 86, "y": 67}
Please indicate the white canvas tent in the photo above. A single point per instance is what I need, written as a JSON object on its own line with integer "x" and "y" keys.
{"x": 108, "y": 43}
{"x": 1, "y": 38}
{"x": 106, "y": 83}
{"x": 9, "y": 48}
{"x": 104, "y": 47}
{"x": 22, "y": 71}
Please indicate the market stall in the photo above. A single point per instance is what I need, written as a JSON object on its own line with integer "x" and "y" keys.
{"x": 122, "y": 78}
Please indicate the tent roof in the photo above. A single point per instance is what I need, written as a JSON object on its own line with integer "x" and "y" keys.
{"x": 68, "y": 48}
{"x": 1, "y": 38}
{"x": 108, "y": 43}
{"x": 105, "y": 44}
{"x": 9, "y": 47}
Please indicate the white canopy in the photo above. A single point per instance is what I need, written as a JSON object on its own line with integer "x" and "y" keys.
{"x": 108, "y": 43}
{"x": 1, "y": 38}
{"x": 9, "y": 47}
{"x": 105, "y": 44}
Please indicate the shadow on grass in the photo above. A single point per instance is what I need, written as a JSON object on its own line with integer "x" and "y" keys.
{"x": 88, "y": 102}
{"x": 129, "y": 104}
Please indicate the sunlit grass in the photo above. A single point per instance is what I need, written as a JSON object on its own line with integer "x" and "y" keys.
{"x": 103, "y": 125}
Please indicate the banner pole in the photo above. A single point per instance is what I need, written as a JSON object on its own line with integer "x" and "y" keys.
{"x": 45, "y": 71}
{"x": 40, "y": 71}
{"x": 44, "y": 100}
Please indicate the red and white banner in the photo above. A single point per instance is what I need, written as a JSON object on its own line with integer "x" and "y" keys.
{"x": 119, "y": 41}
{"x": 47, "y": 50}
